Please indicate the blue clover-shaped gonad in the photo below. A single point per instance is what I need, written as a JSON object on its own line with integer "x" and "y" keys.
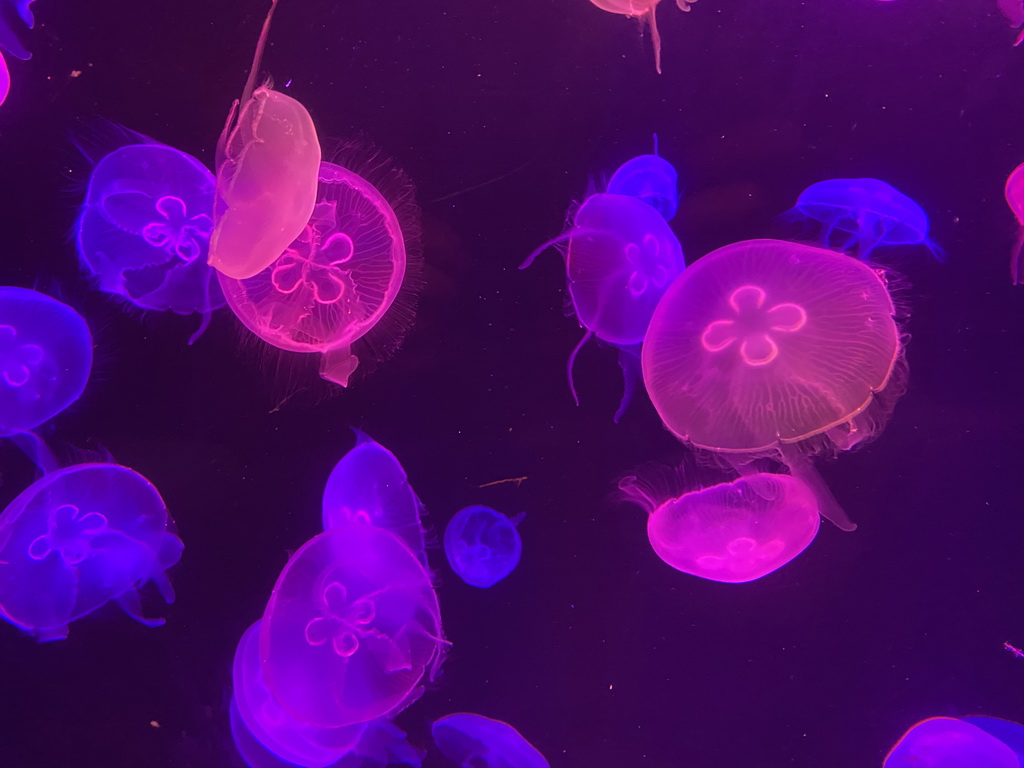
{"x": 314, "y": 262}
{"x": 753, "y": 327}
{"x": 17, "y": 361}
{"x": 69, "y": 533}
{"x": 341, "y": 622}
{"x": 176, "y": 232}
{"x": 648, "y": 265}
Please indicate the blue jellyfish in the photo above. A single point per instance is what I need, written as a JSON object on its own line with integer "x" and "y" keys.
{"x": 368, "y": 483}
{"x": 45, "y": 358}
{"x": 650, "y": 178}
{"x": 79, "y": 537}
{"x": 471, "y": 740}
{"x": 1007, "y": 731}
{"x": 866, "y": 213}
{"x": 947, "y": 742}
{"x": 144, "y": 229}
{"x": 482, "y": 545}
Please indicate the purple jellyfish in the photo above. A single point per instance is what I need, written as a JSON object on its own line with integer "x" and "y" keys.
{"x": 763, "y": 344}
{"x": 482, "y": 545}
{"x": 470, "y": 740}
{"x": 9, "y": 41}
{"x": 947, "y": 742}
{"x": 1015, "y": 199}
{"x": 1013, "y": 10}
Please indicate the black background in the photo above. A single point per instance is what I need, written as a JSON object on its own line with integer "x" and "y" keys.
{"x": 596, "y": 651}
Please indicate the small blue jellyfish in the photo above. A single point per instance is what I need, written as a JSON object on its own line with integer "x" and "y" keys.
{"x": 471, "y": 740}
{"x": 482, "y": 545}
{"x": 650, "y": 178}
{"x": 866, "y": 213}
{"x": 144, "y": 230}
{"x": 45, "y": 358}
{"x": 79, "y": 537}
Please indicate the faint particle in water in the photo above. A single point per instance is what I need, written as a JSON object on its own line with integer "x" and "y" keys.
{"x": 650, "y": 178}
{"x": 645, "y": 11}
{"x": 470, "y": 740}
{"x": 79, "y": 537}
{"x": 268, "y": 156}
{"x": 45, "y": 358}
{"x": 482, "y": 545}
{"x": 351, "y": 628}
{"x": 763, "y": 344}
{"x": 1013, "y": 10}
{"x": 732, "y": 532}
{"x": 947, "y": 742}
{"x": 1014, "y": 193}
{"x": 144, "y": 229}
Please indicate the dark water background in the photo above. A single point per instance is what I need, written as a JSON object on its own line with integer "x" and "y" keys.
{"x": 599, "y": 653}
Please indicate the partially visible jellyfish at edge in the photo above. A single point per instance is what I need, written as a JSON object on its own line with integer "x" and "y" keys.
{"x": 948, "y": 742}
{"x": 9, "y": 40}
{"x": 482, "y": 545}
{"x": 646, "y": 11}
{"x": 471, "y": 740}
{"x": 1014, "y": 193}
{"x": 1013, "y": 10}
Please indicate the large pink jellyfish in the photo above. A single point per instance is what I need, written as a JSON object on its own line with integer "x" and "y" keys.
{"x": 645, "y": 11}
{"x": 340, "y": 277}
{"x": 267, "y": 160}
{"x": 1015, "y": 199}
{"x": 764, "y": 344}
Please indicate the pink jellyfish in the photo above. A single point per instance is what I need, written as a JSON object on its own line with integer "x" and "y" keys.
{"x": 268, "y": 156}
{"x": 732, "y": 532}
{"x": 1013, "y": 10}
{"x": 1015, "y": 199}
{"x": 340, "y": 276}
{"x": 645, "y": 11}
{"x": 762, "y": 345}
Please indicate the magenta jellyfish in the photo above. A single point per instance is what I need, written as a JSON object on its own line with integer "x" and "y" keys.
{"x": 470, "y": 740}
{"x": 731, "y": 532}
{"x": 762, "y": 345}
{"x": 482, "y": 545}
{"x": 267, "y": 160}
{"x": 45, "y": 358}
{"x": 1015, "y": 199}
{"x": 79, "y": 537}
{"x": 351, "y": 628}
{"x": 645, "y": 11}
{"x": 1013, "y": 10}
{"x": 144, "y": 229}
{"x": 338, "y": 280}
{"x": 620, "y": 258}
{"x": 9, "y": 41}
{"x": 948, "y": 742}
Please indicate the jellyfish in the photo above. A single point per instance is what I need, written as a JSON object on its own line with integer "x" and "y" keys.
{"x": 947, "y": 742}
{"x": 336, "y": 282}
{"x": 268, "y": 156}
{"x": 9, "y": 41}
{"x": 1013, "y": 10}
{"x": 620, "y": 258}
{"x": 645, "y": 11}
{"x": 351, "y": 628}
{"x": 79, "y": 537}
{"x": 482, "y": 545}
{"x": 144, "y": 229}
{"x": 45, "y": 358}
{"x": 866, "y": 213}
{"x": 762, "y": 345}
{"x": 1015, "y": 199}
{"x": 368, "y": 483}
{"x": 470, "y": 740}
{"x": 732, "y": 532}
{"x": 650, "y": 178}
{"x": 1007, "y": 731}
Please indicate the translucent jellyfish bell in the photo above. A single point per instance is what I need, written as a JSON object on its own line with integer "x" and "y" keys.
{"x": 763, "y": 344}
{"x": 645, "y": 11}
{"x": 733, "y": 532}
{"x": 470, "y": 740}
{"x": 45, "y": 358}
{"x": 482, "y": 545}
{"x": 947, "y": 742}
{"x": 1015, "y": 199}
{"x": 650, "y": 178}
{"x": 351, "y": 628}
{"x": 268, "y": 156}
{"x": 1013, "y": 10}
{"x": 9, "y": 41}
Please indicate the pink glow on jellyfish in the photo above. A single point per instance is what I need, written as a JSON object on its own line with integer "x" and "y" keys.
{"x": 1015, "y": 199}
{"x": 763, "y": 344}
{"x": 268, "y": 156}
{"x": 1013, "y": 10}
{"x": 5, "y": 79}
{"x": 948, "y": 742}
{"x": 645, "y": 10}
{"x": 732, "y": 532}
{"x": 337, "y": 280}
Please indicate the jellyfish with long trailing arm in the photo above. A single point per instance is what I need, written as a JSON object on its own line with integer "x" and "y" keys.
{"x": 645, "y": 11}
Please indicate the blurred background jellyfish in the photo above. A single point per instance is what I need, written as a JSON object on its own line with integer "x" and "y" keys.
{"x": 351, "y": 628}
{"x": 762, "y": 345}
{"x": 9, "y": 40}
{"x": 268, "y": 156}
{"x": 369, "y": 484}
{"x": 1015, "y": 199}
{"x": 482, "y": 545}
{"x": 1013, "y": 10}
{"x": 470, "y": 740}
{"x": 620, "y": 258}
{"x": 45, "y": 358}
{"x": 650, "y": 178}
{"x": 864, "y": 214}
{"x": 645, "y": 10}
{"x": 144, "y": 229}
{"x": 732, "y": 532}
{"x": 948, "y": 742}
{"x": 79, "y": 537}
{"x": 347, "y": 279}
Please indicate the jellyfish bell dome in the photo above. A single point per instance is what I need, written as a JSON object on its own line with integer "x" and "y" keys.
{"x": 650, "y": 178}
{"x": 948, "y": 742}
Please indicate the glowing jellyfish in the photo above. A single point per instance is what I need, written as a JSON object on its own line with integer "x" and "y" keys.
{"x": 732, "y": 532}
{"x": 620, "y": 258}
{"x": 763, "y": 344}
{"x": 5, "y": 79}
{"x": 267, "y": 160}
{"x": 45, "y": 358}
{"x": 482, "y": 545}
{"x": 866, "y": 213}
{"x": 79, "y": 537}
{"x": 351, "y": 627}
{"x": 1007, "y": 731}
{"x": 369, "y": 484}
{"x": 10, "y": 42}
{"x": 336, "y": 282}
{"x": 1015, "y": 199}
{"x": 144, "y": 229}
{"x": 946, "y": 742}
{"x": 1013, "y": 10}
{"x": 645, "y": 11}
{"x": 650, "y": 178}
{"x": 470, "y": 740}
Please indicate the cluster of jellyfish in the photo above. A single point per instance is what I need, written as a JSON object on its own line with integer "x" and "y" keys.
{"x": 759, "y": 356}
{"x": 82, "y": 534}
{"x": 352, "y": 635}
